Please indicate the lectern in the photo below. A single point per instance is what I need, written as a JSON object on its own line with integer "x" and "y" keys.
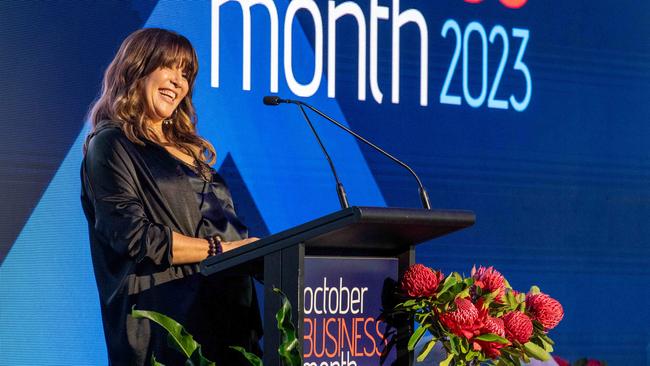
{"x": 342, "y": 250}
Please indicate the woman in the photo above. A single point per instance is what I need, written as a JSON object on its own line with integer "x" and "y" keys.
{"x": 155, "y": 208}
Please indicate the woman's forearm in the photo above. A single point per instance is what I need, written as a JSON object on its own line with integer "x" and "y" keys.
{"x": 186, "y": 249}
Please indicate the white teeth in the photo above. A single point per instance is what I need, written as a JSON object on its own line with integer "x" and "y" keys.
{"x": 168, "y": 93}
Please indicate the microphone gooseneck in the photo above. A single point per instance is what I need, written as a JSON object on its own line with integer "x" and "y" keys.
{"x": 424, "y": 197}
{"x": 340, "y": 191}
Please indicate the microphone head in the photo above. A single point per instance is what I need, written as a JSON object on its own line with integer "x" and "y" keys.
{"x": 271, "y": 100}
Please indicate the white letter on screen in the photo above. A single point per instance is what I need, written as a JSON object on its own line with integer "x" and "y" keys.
{"x": 297, "y": 88}
{"x": 376, "y": 12}
{"x": 246, "y": 40}
{"x": 399, "y": 19}
{"x": 334, "y": 13}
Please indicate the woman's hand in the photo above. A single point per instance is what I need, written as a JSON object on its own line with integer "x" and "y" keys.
{"x": 230, "y": 245}
{"x": 193, "y": 250}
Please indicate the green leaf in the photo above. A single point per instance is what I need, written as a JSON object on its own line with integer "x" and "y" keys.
{"x": 534, "y": 290}
{"x": 453, "y": 344}
{"x": 178, "y": 336}
{"x": 548, "y": 347}
{"x": 469, "y": 356}
{"x": 546, "y": 338}
{"x": 490, "y": 337}
{"x": 536, "y": 351}
{"x": 415, "y": 338}
{"x": 407, "y": 304}
{"x": 509, "y": 361}
{"x": 251, "y": 357}
{"x": 521, "y": 298}
{"x": 511, "y": 300}
{"x": 425, "y": 352}
{"x": 289, "y": 349}
{"x": 197, "y": 359}
{"x": 449, "y": 282}
{"x": 507, "y": 284}
{"x": 447, "y": 360}
{"x": 154, "y": 362}
{"x": 463, "y": 293}
{"x": 464, "y": 345}
{"x": 444, "y": 298}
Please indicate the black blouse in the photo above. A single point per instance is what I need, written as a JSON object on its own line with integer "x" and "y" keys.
{"x": 213, "y": 199}
{"x": 134, "y": 197}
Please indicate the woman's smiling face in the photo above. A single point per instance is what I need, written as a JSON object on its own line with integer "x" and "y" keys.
{"x": 164, "y": 89}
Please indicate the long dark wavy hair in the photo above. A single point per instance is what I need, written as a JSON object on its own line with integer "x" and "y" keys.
{"x": 122, "y": 99}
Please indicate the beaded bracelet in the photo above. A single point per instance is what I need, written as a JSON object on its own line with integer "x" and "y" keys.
{"x": 214, "y": 245}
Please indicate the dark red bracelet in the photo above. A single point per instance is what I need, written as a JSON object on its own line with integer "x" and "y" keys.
{"x": 214, "y": 245}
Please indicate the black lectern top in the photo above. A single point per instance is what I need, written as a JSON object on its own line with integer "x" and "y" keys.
{"x": 355, "y": 231}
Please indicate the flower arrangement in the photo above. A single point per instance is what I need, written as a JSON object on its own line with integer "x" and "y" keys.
{"x": 478, "y": 319}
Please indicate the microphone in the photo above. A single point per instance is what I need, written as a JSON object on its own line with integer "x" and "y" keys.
{"x": 272, "y": 100}
{"x": 424, "y": 197}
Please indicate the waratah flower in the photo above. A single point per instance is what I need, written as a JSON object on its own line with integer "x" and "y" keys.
{"x": 466, "y": 321}
{"x": 491, "y": 349}
{"x": 494, "y": 326}
{"x": 490, "y": 280}
{"x": 519, "y": 327}
{"x": 544, "y": 309}
{"x": 421, "y": 281}
{"x": 560, "y": 361}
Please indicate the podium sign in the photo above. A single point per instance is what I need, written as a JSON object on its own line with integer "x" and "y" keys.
{"x": 342, "y": 303}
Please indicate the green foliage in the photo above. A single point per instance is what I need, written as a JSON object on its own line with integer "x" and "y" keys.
{"x": 447, "y": 360}
{"x": 415, "y": 338}
{"x": 154, "y": 362}
{"x": 536, "y": 351}
{"x": 425, "y": 352}
{"x": 181, "y": 340}
{"x": 489, "y": 337}
{"x": 251, "y": 357}
{"x": 177, "y": 337}
{"x": 289, "y": 349}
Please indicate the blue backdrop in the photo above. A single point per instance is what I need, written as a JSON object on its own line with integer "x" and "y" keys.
{"x": 535, "y": 117}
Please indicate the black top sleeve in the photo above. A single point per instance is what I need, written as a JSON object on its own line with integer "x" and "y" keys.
{"x": 119, "y": 215}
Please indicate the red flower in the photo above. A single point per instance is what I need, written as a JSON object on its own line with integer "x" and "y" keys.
{"x": 560, "y": 361}
{"x": 494, "y": 326}
{"x": 466, "y": 321}
{"x": 491, "y": 349}
{"x": 421, "y": 281}
{"x": 544, "y": 309}
{"x": 490, "y": 280}
{"x": 519, "y": 327}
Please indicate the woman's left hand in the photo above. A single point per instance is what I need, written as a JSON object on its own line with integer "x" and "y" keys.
{"x": 230, "y": 245}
